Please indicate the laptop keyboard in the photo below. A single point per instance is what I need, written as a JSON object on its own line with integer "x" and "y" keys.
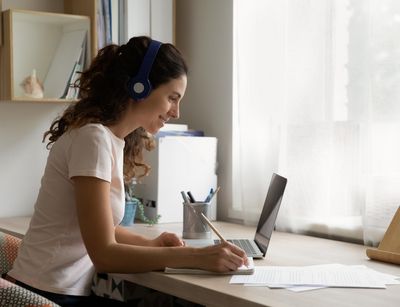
{"x": 243, "y": 244}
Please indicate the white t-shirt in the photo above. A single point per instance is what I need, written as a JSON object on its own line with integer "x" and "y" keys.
{"x": 52, "y": 256}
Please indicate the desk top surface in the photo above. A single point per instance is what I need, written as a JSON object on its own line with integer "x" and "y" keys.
{"x": 285, "y": 249}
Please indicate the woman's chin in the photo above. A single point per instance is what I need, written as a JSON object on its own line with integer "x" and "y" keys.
{"x": 154, "y": 128}
{"x": 153, "y": 131}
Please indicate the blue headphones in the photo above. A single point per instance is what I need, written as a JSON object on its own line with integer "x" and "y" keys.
{"x": 139, "y": 86}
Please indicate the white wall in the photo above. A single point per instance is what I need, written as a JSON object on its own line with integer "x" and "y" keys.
{"x": 22, "y": 124}
{"x": 22, "y": 153}
{"x": 150, "y": 17}
{"x": 204, "y": 34}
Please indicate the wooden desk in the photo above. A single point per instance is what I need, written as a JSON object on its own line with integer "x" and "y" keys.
{"x": 284, "y": 249}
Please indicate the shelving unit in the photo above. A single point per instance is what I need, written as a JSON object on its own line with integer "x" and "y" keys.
{"x": 87, "y": 8}
{"x": 30, "y": 41}
{"x": 150, "y": 17}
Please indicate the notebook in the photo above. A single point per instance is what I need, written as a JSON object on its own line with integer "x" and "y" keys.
{"x": 257, "y": 248}
{"x": 243, "y": 270}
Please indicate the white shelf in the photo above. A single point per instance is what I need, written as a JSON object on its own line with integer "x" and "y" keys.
{"x": 31, "y": 39}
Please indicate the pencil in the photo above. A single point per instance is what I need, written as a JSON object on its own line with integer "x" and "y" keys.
{"x": 212, "y": 227}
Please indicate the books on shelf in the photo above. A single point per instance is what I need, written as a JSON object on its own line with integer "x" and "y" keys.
{"x": 63, "y": 68}
{"x": 175, "y": 127}
{"x": 178, "y": 130}
{"x": 104, "y": 22}
{"x": 179, "y": 133}
{"x": 72, "y": 92}
{"x": 107, "y": 20}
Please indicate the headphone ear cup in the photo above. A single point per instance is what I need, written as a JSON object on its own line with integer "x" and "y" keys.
{"x": 139, "y": 86}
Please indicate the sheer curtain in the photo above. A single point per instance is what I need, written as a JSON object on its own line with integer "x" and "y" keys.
{"x": 316, "y": 99}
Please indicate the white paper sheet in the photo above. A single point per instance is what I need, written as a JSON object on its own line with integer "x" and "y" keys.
{"x": 287, "y": 287}
{"x": 332, "y": 275}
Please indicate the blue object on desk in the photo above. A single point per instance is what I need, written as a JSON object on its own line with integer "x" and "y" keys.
{"x": 130, "y": 212}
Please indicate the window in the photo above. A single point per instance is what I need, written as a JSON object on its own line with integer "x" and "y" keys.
{"x": 316, "y": 99}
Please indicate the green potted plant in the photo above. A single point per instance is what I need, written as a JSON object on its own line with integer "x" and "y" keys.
{"x": 133, "y": 204}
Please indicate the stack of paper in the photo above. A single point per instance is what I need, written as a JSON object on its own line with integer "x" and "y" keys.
{"x": 316, "y": 277}
{"x": 178, "y": 130}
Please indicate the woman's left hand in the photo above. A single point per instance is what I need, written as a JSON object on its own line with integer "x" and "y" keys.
{"x": 167, "y": 239}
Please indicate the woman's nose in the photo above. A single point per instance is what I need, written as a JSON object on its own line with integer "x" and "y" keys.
{"x": 174, "y": 112}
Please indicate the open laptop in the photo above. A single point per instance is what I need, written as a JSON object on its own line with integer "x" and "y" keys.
{"x": 257, "y": 248}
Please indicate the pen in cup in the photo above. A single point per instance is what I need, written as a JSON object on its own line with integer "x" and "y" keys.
{"x": 185, "y": 198}
{"x": 192, "y": 200}
{"x": 188, "y": 203}
{"x": 211, "y": 195}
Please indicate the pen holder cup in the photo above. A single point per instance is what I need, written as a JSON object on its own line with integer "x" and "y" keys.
{"x": 194, "y": 227}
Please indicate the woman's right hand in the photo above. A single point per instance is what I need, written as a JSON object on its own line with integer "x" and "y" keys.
{"x": 222, "y": 257}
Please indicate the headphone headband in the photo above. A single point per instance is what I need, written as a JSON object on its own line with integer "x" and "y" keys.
{"x": 139, "y": 86}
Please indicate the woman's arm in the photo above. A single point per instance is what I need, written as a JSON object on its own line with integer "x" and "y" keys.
{"x": 108, "y": 248}
{"x": 125, "y": 236}
{"x": 122, "y": 235}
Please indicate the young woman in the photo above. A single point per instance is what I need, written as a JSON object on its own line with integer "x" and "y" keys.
{"x": 128, "y": 92}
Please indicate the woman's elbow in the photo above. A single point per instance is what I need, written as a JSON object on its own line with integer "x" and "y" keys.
{"x": 102, "y": 261}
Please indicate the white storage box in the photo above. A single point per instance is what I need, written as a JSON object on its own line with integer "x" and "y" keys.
{"x": 178, "y": 163}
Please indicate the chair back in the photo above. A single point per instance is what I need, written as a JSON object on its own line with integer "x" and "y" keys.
{"x": 9, "y": 245}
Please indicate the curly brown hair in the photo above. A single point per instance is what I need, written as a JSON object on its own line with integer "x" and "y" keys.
{"x": 104, "y": 97}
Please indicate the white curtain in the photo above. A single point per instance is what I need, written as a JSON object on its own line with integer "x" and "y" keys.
{"x": 317, "y": 99}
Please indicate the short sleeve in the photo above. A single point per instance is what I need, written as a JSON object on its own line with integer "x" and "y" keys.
{"x": 91, "y": 153}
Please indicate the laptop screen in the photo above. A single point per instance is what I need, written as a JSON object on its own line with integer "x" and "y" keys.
{"x": 266, "y": 224}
